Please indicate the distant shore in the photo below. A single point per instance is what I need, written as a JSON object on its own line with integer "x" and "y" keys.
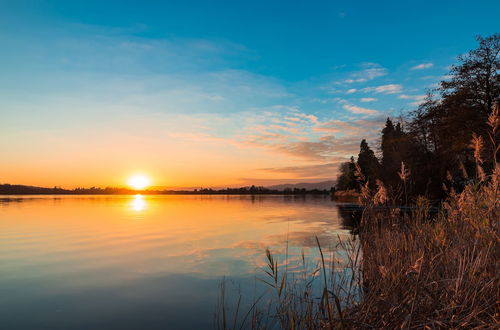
{"x": 8, "y": 189}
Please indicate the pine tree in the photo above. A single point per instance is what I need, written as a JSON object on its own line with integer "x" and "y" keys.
{"x": 368, "y": 162}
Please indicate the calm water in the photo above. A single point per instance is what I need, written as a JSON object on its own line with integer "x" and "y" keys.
{"x": 143, "y": 262}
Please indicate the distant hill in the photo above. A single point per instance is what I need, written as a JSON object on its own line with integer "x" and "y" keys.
{"x": 305, "y": 185}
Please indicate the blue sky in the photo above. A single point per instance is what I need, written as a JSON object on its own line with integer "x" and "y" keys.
{"x": 259, "y": 91}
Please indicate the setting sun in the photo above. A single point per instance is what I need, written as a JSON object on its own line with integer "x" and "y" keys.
{"x": 139, "y": 182}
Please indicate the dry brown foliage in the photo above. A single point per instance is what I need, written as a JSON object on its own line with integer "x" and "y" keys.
{"x": 411, "y": 268}
{"x": 423, "y": 271}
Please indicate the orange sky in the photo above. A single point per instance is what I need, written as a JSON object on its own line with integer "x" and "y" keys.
{"x": 171, "y": 159}
{"x": 89, "y": 103}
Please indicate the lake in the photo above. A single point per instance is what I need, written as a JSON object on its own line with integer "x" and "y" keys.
{"x": 145, "y": 262}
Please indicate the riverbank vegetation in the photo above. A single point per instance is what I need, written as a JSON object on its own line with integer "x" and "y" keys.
{"x": 427, "y": 249}
{"x": 417, "y": 270}
{"x": 422, "y": 269}
{"x": 433, "y": 270}
{"x": 433, "y": 141}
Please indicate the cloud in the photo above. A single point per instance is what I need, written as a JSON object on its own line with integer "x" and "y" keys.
{"x": 305, "y": 143}
{"x": 336, "y": 126}
{"x": 418, "y": 99}
{"x": 369, "y": 72}
{"x": 187, "y": 92}
{"x": 368, "y": 99}
{"x": 362, "y": 127}
{"x": 366, "y": 75}
{"x": 311, "y": 118}
{"x": 327, "y": 147}
{"x": 360, "y": 110}
{"x": 422, "y": 66}
{"x": 383, "y": 89}
{"x": 308, "y": 171}
{"x": 266, "y": 128}
{"x": 307, "y": 137}
{"x": 411, "y": 97}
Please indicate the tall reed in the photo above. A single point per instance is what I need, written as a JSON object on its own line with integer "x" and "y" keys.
{"x": 307, "y": 297}
{"x": 416, "y": 269}
{"x": 434, "y": 270}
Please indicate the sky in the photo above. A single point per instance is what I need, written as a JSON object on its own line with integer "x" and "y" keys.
{"x": 214, "y": 93}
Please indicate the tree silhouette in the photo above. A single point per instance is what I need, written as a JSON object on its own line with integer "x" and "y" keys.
{"x": 434, "y": 143}
{"x": 368, "y": 163}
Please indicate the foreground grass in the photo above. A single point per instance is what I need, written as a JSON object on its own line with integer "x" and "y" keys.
{"x": 408, "y": 270}
{"x": 423, "y": 270}
{"x": 441, "y": 271}
{"x": 418, "y": 270}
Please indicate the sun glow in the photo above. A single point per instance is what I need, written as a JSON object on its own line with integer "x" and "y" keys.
{"x": 138, "y": 203}
{"x": 139, "y": 182}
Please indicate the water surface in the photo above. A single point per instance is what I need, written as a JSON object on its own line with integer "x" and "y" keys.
{"x": 144, "y": 262}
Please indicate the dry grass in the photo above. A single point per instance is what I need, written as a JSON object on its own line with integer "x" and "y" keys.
{"x": 310, "y": 296}
{"x": 426, "y": 271}
{"x": 410, "y": 270}
{"x": 433, "y": 271}
{"x": 418, "y": 270}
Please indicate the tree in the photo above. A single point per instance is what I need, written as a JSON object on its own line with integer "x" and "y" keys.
{"x": 391, "y": 157}
{"x": 368, "y": 163}
{"x": 440, "y": 129}
{"x": 477, "y": 76}
{"x": 435, "y": 144}
{"x": 423, "y": 124}
{"x": 346, "y": 180}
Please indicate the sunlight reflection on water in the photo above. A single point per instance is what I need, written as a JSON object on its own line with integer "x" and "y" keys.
{"x": 138, "y": 204}
{"x": 80, "y": 262}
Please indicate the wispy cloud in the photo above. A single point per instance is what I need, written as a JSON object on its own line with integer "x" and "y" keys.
{"x": 308, "y": 171}
{"x": 309, "y": 138}
{"x": 418, "y": 99}
{"x": 422, "y": 66}
{"x": 411, "y": 97}
{"x": 352, "y": 128}
{"x": 179, "y": 95}
{"x": 383, "y": 89}
{"x": 366, "y": 75}
{"x": 311, "y": 118}
{"x": 325, "y": 148}
{"x": 360, "y": 110}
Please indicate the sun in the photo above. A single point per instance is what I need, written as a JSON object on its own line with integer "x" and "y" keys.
{"x": 139, "y": 182}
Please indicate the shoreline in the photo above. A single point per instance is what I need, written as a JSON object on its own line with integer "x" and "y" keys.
{"x": 170, "y": 194}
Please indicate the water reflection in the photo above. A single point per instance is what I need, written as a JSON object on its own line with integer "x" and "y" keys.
{"x": 350, "y": 214}
{"x": 80, "y": 259}
{"x": 138, "y": 204}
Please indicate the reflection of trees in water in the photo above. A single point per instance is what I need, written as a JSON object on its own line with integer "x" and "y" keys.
{"x": 350, "y": 215}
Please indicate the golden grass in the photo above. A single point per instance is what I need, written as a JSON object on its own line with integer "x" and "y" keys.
{"x": 423, "y": 271}
{"x": 408, "y": 270}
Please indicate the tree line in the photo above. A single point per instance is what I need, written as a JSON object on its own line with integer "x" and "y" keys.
{"x": 429, "y": 152}
{"x": 8, "y": 189}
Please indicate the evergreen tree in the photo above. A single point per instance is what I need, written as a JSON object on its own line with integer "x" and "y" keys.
{"x": 390, "y": 157}
{"x": 436, "y": 140}
{"x": 368, "y": 162}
